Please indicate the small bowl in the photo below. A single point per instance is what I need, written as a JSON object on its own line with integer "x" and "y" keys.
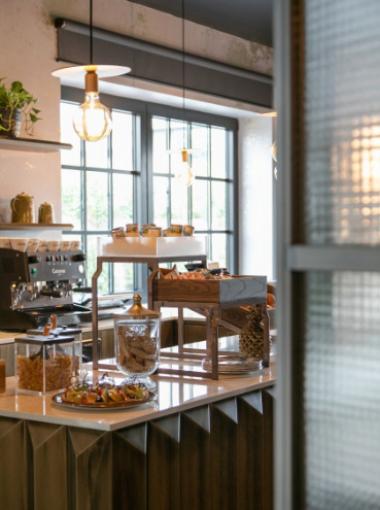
{"x": 19, "y": 243}
{"x": 74, "y": 245}
{"x": 65, "y": 245}
{"x": 53, "y": 245}
{"x": 32, "y": 246}
{"x": 5, "y": 242}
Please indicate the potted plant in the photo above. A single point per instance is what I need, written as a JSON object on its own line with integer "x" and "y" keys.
{"x": 16, "y": 104}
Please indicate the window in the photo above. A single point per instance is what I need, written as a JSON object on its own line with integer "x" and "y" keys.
{"x": 206, "y": 204}
{"x": 99, "y": 182}
{"x": 131, "y": 177}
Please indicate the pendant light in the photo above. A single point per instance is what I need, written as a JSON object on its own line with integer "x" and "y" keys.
{"x": 92, "y": 121}
{"x": 184, "y": 172}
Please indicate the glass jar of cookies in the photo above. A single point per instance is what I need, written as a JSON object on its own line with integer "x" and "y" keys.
{"x": 137, "y": 340}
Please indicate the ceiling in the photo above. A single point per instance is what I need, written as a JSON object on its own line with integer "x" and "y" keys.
{"x": 249, "y": 19}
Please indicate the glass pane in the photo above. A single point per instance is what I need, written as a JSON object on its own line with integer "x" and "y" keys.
{"x": 161, "y": 201}
{"x": 199, "y": 153}
{"x": 160, "y": 145}
{"x": 341, "y": 390}
{"x": 68, "y": 135}
{"x": 218, "y": 152}
{"x": 97, "y": 200}
{"x": 219, "y": 249}
{"x": 218, "y": 206}
{"x": 123, "y": 277}
{"x": 122, "y": 199}
{"x": 179, "y": 202}
{"x": 91, "y": 254}
{"x": 97, "y": 153}
{"x": 178, "y": 140}
{"x": 122, "y": 140}
{"x": 200, "y": 205}
{"x": 71, "y": 197}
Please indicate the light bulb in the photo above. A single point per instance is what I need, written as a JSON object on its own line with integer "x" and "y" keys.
{"x": 184, "y": 173}
{"x": 92, "y": 121}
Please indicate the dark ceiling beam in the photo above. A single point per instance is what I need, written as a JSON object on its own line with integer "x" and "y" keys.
{"x": 162, "y": 65}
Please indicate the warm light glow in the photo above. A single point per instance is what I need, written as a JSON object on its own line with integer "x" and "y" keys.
{"x": 183, "y": 170}
{"x": 92, "y": 121}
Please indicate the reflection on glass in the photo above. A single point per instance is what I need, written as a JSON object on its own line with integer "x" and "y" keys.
{"x": 122, "y": 199}
{"x": 218, "y": 152}
{"x": 200, "y": 205}
{"x": 199, "y": 153}
{"x": 160, "y": 145}
{"x": 161, "y": 210}
{"x": 218, "y": 206}
{"x": 68, "y": 135}
{"x": 71, "y": 199}
{"x": 97, "y": 153}
{"x": 97, "y": 200}
{"x": 122, "y": 140}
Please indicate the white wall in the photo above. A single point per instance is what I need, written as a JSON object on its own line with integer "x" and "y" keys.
{"x": 255, "y": 196}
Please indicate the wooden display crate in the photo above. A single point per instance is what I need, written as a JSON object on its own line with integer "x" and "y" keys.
{"x": 224, "y": 292}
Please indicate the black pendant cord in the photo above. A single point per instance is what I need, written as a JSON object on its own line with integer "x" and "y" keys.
{"x": 91, "y": 33}
{"x": 183, "y": 73}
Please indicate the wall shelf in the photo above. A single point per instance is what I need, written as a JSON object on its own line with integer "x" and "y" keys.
{"x": 36, "y": 226}
{"x": 32, "y": 145}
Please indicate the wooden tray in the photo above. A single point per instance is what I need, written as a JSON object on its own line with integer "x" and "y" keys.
{"x": 233, "y": 291}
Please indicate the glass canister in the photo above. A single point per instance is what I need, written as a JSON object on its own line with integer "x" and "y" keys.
{"x": 64, "y": 331}
{"x": 137, "y": 340}
{"x": 45, "y": 363}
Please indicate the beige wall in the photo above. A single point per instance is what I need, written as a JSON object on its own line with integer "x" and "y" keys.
{"x": 28, "y": 50}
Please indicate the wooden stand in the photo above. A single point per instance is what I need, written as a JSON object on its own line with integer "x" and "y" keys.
{"x": 208, "y": 298}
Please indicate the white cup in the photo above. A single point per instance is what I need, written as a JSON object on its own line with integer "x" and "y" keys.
{"x": 53, "y": 245}
{"x": 5, "y": 242}
{"x": 19, "y": 243}
{"x": 32, "y": 246}
{"x": 74, "y": 245}
{"x": 65, "y": 245}
{"x": 43, "y": 246}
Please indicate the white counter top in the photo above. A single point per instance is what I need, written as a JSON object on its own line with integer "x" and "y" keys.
{"x": 173, "y": 395}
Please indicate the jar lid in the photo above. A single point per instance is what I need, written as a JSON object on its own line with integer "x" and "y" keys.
{"x": 137, "y": 310}
{"x": 43, "y": 339}
{"x": 59, "y": 331}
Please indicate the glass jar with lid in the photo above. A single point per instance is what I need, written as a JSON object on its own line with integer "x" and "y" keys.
{"x": 45, "y": 363}
{"x": 137, "y": 340}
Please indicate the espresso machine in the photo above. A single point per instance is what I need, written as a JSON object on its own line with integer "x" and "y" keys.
{"x": 32, "y": 287}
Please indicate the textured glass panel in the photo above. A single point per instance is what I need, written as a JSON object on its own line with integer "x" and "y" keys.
{"x": 71, "y": 197}
{"x": 97, "y": 200}
{"x": 68, "y": 135}
{"x": 160, "y": 145}
{"x": 342, "y": 391}
{"x": 122, "y": 199}
{"x": 122, "y": 140}
{"x": 342, "y": 121}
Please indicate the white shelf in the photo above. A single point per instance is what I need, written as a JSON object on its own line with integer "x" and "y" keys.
{"x": 36, "y": 226}
{"x": 32, "y": 145}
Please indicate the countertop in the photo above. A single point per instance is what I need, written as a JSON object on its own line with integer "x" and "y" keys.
{"x": 174, "y": 394}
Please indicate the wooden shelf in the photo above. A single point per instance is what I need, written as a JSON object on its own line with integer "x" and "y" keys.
{"x": 36, "y": 226}
{"x": 32, "y": 145}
